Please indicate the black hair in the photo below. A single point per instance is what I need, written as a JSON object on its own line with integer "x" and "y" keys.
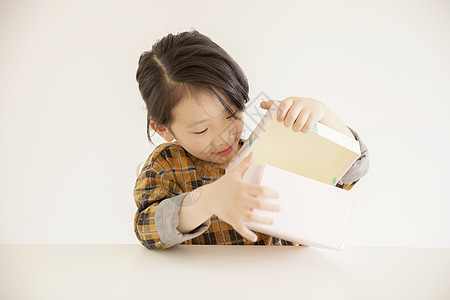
{"x": 187, "y": 63}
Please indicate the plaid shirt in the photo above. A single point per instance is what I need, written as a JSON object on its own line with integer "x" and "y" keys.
{"x": 170, "y": 172}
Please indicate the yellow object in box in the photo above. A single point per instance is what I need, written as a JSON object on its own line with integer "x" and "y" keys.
{"x": 322, "y": 154}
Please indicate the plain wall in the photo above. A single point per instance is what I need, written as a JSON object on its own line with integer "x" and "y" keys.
{"x": 73, "y": 123}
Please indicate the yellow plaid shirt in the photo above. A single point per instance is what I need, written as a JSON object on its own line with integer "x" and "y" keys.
{"x": 170, "y": 172}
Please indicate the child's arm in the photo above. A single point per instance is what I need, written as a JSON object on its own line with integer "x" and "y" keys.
{"x": 158, "y": 199}
{"x": 193, "y": 211}
{"x": 332, "y": 121}
{"x": 359, "y": 168}
{"x": 231, "y": 199}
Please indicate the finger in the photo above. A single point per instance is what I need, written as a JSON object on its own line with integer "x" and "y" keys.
{"x": 301, "y": 120}
{"x": 255, "y": 203}
{"x": 292, "y": 114}
{"x": 250, "y": 216}
{"x": 245, "y": 232}
{"x": 259, "y": 190}
{"x": 283, "y": 109}
{"x": 309, "y": 124}
{"x": 266, "y": 104}
{"x": 245, "y": 163}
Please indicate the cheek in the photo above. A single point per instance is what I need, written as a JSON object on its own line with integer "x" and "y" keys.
{"x": 201, "y": 146}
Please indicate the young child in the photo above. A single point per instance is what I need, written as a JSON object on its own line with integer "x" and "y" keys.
{"x": 196, "y": 93}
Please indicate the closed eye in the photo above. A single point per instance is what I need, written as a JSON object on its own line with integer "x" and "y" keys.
{"x": 201, "y": 131}
{"x": 227, "y": 118}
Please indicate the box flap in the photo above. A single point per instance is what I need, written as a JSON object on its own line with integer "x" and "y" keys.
{"x": 323, "y": 154}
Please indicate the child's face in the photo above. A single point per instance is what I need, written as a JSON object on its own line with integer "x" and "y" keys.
{"x": 205, "y": 139}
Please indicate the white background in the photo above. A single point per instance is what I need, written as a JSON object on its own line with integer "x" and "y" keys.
{"x": 72, "y": 121}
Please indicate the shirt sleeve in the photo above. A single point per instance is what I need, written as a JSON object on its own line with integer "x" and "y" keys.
{"x": 158, "y": 199}
{"x": 359, "y": 168}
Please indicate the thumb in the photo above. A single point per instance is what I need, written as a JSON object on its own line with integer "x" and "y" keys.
{"x": 244, "y": 164}
{"x": 266, "y": 104}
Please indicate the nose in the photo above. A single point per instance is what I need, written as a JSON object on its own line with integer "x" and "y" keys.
{"x": 225, "y": 138}
{"x": 222, "y": 142}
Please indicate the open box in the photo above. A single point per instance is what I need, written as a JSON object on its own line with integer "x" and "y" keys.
{"x": 304, "y": 168}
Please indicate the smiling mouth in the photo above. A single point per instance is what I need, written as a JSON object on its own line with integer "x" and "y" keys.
{"x": 224, "y": 149}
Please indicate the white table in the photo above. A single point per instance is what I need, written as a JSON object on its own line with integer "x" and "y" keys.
{"x": 29, "y": 271}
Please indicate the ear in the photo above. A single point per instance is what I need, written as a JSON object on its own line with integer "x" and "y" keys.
{"x": 163, "y": 131}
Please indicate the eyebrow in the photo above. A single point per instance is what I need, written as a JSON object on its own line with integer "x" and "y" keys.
{"x": 196, "y": 123}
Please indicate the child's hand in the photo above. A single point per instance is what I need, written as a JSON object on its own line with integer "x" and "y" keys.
{"x": 232, "y": 199}
{"x": 303, "y": 113}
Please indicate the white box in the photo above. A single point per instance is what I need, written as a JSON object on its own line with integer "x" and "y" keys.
{"x": 304, "y": 168}
{"x": 312, "y": 213}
